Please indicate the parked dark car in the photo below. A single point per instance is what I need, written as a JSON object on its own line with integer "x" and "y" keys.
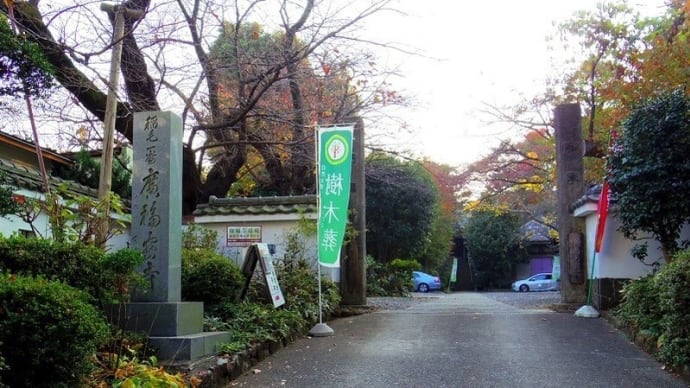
{"x": 423, "y": 282}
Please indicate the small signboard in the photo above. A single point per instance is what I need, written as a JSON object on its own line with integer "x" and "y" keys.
{"x": 243, "y": 236}
{"x": 266, "y": 261}
{"x": 261, "y": 254}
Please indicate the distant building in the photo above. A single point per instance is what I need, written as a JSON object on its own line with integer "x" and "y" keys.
{"x": 238, "y": 221}
{"x": 614, "y": 264}
{"x": 20, "y": 168}
{"x": 541, "y": 247}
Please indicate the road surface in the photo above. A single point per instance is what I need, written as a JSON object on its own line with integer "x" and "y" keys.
{"x": 463, "y": 340}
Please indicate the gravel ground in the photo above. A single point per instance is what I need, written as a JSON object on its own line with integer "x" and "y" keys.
{"x": 524, "y": 300}
{"x": 396, "y": 303}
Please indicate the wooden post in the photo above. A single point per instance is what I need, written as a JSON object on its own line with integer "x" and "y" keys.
{"x": 105, "y": 177}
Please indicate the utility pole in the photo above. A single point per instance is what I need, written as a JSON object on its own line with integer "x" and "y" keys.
{"x": 105, "y": 178}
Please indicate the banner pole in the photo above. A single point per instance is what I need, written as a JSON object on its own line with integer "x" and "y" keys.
{"x": 320, "y": 296}
{"x": 320, "y": 329}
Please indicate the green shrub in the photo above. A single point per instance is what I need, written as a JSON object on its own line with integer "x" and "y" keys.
{"x": 49, "y": 332}
{"x": 120, "y": 273}
{"x": 639, "y": 309}
{"x": 76, "y": 264}
{"x": 209, "y": 277}
{"x": 3, "y": 366}
{"x": 377, "y": 278}
{"x": 300, "y": 287}
{"x": 391, "y": 279}
{"x": 401, "y": 275}
{"x": 251, "y": 323}
{"x": 673, "y": 282}
{"x": 657, "y": 308}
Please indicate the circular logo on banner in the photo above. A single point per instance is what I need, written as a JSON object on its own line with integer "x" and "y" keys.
{"x": 337, "y": 149}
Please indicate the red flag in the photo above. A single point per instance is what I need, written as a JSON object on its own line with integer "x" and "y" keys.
{"x": 602, "y": 211}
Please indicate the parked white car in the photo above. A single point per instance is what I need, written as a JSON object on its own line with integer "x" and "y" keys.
{"x": 538, "y": 282}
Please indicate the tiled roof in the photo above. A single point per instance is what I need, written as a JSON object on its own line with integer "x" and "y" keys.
{"x": 535, "y": 232}
{"x": 592, "y": 196}
{"x": 257, "y": 206}
{"x": 30, "y": 179}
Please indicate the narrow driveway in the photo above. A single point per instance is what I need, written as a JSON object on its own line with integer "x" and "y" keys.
{"x": 463, "y": 340}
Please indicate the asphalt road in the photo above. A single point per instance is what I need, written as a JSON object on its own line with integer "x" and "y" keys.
{"x": 463, "y": 340}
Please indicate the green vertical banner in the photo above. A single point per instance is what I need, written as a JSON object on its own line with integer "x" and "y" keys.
{"x": 454, "y": 271}
{"x": 335, "y": 170}
{"x": 556, "y": 269}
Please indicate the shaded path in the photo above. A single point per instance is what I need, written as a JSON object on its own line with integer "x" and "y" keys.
{"x": 463, "y": 340}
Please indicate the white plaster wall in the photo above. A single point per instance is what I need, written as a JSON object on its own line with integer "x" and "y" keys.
{"x": 10, "y": 224}
{"x": 119, "y": 241}
{"x": 273, "y": 229}
{"x": 615, "y": 259}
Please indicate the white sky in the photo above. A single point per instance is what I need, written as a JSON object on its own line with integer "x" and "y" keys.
{"x": 488, "y": 51}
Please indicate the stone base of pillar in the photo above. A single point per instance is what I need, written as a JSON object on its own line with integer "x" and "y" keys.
{"x": 185, "y": 348}
{"x": 158, "y": 319}
{"x": 175, "y": 329}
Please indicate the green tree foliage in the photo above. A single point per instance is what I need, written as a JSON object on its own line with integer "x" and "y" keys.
{"x": 120, "y": 273}
{"x": 494, "y": 247}
{"x": 87, "y": 170}
{"x": 639, "y": 310}
{"x": 8, "y": 205}
{"x": 440, "y": 242}
{"x": 23, "y": 67}
{"x": 73, "y": 217}
{"x": 401, "y": 205}
{"x": 650, "y": 170}
{"x": 195, "y": 236}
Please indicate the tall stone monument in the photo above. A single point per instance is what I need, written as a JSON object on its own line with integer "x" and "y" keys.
{"x": 157, "y": 203}
{"x": 353, "y": 272}
{"x": 570, "y": 184}
{"x": 174, "y": 327}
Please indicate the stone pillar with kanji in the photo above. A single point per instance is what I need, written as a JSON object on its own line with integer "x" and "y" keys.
{"x": 174, "y": 327}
